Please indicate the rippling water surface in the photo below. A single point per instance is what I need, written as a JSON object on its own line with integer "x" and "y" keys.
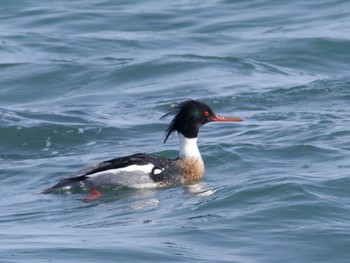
{"x": 85, "y": 81}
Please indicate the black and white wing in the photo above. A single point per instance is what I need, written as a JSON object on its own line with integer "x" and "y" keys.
{"x": 135, "y": 171}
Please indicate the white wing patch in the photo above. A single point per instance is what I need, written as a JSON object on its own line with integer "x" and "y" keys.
{"x": 147, "y": 169}
{"x": 135, "y": 176}
{"x": 157, "y": 171}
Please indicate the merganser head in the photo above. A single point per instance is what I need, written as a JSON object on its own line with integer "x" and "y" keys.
{"x": 190, "y": 115}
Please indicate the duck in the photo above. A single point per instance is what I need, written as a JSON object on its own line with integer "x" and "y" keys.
{"x": 142, "y": 170}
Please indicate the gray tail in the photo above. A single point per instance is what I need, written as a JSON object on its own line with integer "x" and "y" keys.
{"x": 69, "y": 182}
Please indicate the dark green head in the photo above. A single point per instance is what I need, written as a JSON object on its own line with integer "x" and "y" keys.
{"x": 190, "y": 115}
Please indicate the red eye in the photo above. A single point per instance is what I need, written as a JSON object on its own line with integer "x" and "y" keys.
{"x": 206, "y": 113}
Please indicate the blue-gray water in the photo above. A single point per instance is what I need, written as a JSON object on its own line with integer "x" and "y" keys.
{"x": 85, "y": 81}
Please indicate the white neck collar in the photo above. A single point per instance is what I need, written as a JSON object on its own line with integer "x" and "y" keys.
{"x": 188, "y": 147}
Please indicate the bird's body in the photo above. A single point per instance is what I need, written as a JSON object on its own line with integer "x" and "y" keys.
{"x": 150, "y": 171}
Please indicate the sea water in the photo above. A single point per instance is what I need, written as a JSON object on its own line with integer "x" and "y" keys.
{"x": 86, "y": 81}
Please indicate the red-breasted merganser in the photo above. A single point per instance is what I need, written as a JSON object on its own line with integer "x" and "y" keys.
{"x": 142, "y": 170}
